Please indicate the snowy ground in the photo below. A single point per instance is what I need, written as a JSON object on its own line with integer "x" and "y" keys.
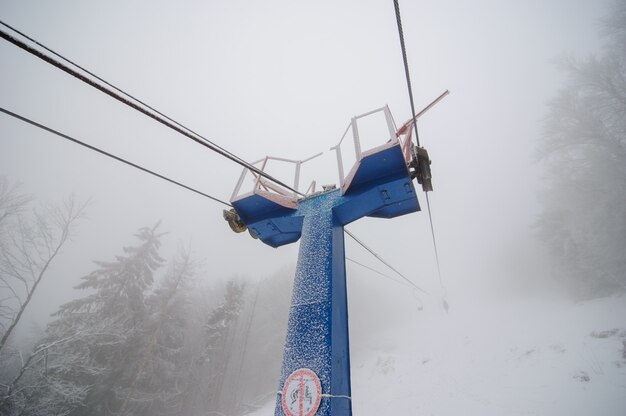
{"x": 523, "y": 358}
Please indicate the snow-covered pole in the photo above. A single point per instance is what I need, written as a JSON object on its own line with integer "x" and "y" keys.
{"x": 315, "y": 375}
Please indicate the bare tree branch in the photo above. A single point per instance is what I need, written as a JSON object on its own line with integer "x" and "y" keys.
{"x": 37, "y": 248}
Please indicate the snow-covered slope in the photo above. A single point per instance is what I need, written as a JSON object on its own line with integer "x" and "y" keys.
{"x": 540, "y": 357}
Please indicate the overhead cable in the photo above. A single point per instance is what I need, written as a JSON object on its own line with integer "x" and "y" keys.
{"x": 143, "y": 108}
{"x": 410, "y": 89}
{"x": 112, "y": 156}
{"x": 69, "y": 61}
{"x": 406, "y": 66}
{"x": 362, "y": 244}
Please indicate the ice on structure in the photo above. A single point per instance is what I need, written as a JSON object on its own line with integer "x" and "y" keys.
{"x": 309, "y": 327}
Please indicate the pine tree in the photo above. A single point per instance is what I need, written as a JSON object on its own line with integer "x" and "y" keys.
{"x": 103, "y": 332}
{"x": 219, "y": 329}
{"x": 160, "y": 373}
{"x": 203, "y": 388}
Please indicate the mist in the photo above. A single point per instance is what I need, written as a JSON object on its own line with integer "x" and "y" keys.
{"x": 284, "y": 79}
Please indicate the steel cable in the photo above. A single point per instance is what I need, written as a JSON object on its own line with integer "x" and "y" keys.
{"x": 112, "y": 156}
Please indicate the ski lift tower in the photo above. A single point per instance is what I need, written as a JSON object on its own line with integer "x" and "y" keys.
{"x": 315, "y": 378}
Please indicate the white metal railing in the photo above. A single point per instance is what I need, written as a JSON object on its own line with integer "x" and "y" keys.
{"x": 260, "y": 183}
{"x": 358, "y": 152}
{"x": 403, "y": 136}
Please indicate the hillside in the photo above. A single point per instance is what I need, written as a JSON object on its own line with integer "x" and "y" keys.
{"x": 540, "y": 357}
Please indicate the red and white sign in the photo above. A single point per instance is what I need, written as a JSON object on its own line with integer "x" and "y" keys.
{"x": 302, "y": 393}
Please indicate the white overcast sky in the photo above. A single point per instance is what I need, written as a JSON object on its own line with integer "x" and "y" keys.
{"x": 283, "y": 78}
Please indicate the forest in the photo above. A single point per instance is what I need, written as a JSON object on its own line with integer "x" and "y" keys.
{"x": 143, "y": 335}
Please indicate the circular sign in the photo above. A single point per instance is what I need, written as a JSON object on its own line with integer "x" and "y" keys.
{"x": 302, "y": 393}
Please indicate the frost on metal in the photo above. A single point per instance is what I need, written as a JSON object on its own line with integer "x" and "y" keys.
{"x": 308, "y": 342}
{"x": 379, "y": 185}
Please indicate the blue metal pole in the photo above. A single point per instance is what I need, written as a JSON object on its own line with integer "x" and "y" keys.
{"x": 315, "y": 377}
{"x": 317, "y": 332}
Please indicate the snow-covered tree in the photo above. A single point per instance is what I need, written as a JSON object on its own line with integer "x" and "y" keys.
{"x": 132, "y": 347}
{"x": 262, "y": 340}
{"x": 584, "y": 150}
{"x": 29, "y": 244}
{"x": 210, "y": 363}
{"x": 104, "y": 331}
{"x": 37, "y": 391}
{"x": 28, "y": 247}
{"x": 219, "y": 329}
{"x": 160, "y": 373}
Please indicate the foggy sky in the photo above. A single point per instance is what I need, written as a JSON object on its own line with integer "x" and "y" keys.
{"x": 283, "y": 78}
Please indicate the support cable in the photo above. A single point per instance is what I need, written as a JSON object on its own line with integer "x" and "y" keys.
{"x": 112, "y": 156}
{"x": 410, "y": 89}
{"x": 376, "y": 271}
{"x": 432, "y": 232}
{"x": 362, "y": 244}
{"x": 154, "y": 114}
